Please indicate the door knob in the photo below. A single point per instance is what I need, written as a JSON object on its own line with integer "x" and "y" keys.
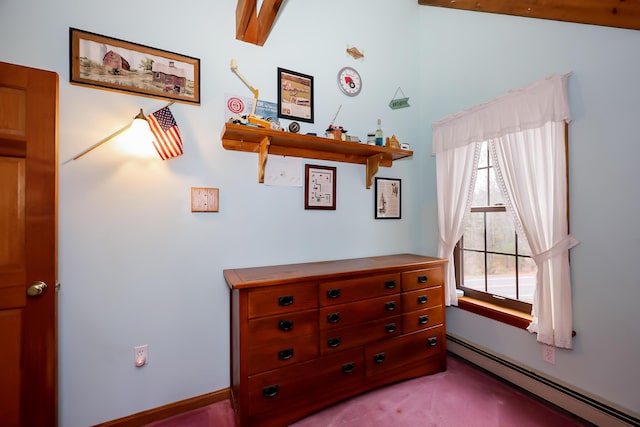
{"x": 36, "y": 289}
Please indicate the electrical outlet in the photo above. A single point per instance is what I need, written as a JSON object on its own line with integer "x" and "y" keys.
{"x": 141, "y": 355}
{"x": 549, "y": 354}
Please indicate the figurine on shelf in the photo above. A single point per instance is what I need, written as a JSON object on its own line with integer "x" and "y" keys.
{"x": 336, "y": 132}
{"x": 393, "y": 142}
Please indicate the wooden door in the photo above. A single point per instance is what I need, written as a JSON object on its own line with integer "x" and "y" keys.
{"x": 28, "y": 185}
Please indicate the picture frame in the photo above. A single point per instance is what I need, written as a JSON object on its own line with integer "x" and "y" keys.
{"x": 319, "y": 187}
{"x": 388, "y": 200}
{"x": 112, "y": 64}
{"x": 295, "y": 96}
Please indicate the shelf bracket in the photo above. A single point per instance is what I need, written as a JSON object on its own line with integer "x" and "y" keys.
{"x": 262, "y": 157}
{"x": 373, "y": 163}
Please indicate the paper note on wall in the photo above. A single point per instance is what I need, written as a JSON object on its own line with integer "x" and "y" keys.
{"x": 283, "y": 171}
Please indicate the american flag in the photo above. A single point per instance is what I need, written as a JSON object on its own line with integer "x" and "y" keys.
{"x": 168, "y": 141}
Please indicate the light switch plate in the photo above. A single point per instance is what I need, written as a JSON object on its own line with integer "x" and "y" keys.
{"x": 204, "y": 199}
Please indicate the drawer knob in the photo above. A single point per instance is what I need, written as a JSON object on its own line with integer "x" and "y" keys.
{"x": 390, "y": 284}
{"x": 270, "y": 391}
{"x": 422, "y": 299}
{"x": 334, "y": 342}
{"x": 422, "y": 279}
{"x": 333, "y": 318}
{"x": 285, "y": 300}
{"x": 390, "y": 306}
{"x": 433, "y": 341}
{"x": 285, "y": 354}
{"x": 378, "y": 358}
{"x": 390, "y": 328}
{"x": 348, "y": 368}
{"x": 423, "y": 320}
{"x": 285, "y": 325}
{"x": 333, "y": 293}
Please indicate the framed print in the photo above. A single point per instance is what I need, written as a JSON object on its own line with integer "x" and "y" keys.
{"x": 295, "y": 96}
{"x": 319, "y": 187}
{"x": 388, "y": 194}
{"x": 112, "y": 64}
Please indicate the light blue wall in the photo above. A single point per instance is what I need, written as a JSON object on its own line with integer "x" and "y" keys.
{"x": 468, "y": 58}
{"x": 136, "y": 266}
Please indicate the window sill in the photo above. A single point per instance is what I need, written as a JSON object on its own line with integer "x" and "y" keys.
{"x": 495, "y": 312}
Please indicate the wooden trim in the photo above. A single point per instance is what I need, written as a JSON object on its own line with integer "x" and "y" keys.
{"x": 501, "y": 314}
{"x": 608, "y": 13}
{"x": 252, "y": 28}
{"x": 169, "y": 410}
{"x": 495, "y": 312}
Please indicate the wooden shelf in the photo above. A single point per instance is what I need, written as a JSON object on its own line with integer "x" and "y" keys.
{"x": 279, "y": 143}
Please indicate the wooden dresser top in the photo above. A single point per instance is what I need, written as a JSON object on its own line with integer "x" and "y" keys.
{"x": 252, "y": 277}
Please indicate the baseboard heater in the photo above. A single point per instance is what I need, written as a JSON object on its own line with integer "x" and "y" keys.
{"x": 576, "y": 402}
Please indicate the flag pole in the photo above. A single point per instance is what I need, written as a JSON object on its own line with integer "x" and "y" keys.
{"x": 113, "y": 135}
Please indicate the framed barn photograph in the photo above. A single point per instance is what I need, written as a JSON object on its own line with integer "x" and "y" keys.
{"x": 295, "y": 96}
{"x": 106, "y": 63}
{"x": 388, "y": 194}
{"x": 319, "y": 187}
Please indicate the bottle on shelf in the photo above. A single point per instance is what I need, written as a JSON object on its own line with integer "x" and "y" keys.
{"x": 379, "y": 134}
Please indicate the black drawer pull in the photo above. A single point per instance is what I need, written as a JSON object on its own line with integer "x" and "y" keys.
{"x": 422, "y": 279}
{"x": 390, "y": 328}
{"x": 378, "y": 358}
{"x": 333, "y": 293}
{"x": 270, "y": 391}
{"x": 422, "y": 299}
{"x": 390, "y": 284}
{"x": 285, "y": 325}
{"x": 285, "y": 354}
{"x": 348, "y": 368}
{"x": 433, "y": 341}
{"x": 333, "y": 342}
{"x": 286, "y": 300}
{"x": 390, "y": 306}
{"x": 423, "y": 320}
{"x": 333, "y": 318}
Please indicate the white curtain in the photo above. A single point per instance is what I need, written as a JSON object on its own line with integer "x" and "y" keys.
{"x": 456, "y": 171}
{"x": 526, "y": 132}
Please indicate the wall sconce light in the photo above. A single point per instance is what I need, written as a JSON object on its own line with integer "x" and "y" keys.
{"x": 139, "y": 129}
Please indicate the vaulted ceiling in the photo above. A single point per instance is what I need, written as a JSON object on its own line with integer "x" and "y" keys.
{"x": 254, "y": 26}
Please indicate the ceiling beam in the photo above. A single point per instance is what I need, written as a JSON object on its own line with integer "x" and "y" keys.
{"x": 253, "y": 28}
{"x": 608, "y": 13}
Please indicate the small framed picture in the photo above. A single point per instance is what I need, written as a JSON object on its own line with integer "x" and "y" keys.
{"x": 295, "y": 96}
{"x": 388, "y": 196}
{"x": 319, "y": 187}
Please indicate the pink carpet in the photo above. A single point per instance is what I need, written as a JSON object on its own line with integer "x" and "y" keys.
{"x": 461, "y": 396}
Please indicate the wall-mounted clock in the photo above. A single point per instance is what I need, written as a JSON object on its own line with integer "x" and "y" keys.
{"x": 349, "y": 81}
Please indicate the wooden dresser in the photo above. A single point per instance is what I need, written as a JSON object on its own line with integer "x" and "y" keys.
{"x": 304, "y": 336}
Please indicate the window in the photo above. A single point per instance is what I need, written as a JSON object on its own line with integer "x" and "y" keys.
{"x": 492, "y": 262}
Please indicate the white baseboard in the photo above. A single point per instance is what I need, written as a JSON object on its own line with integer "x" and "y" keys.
{"x": 577, "y": 402}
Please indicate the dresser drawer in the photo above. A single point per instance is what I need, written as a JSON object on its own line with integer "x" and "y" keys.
{"x": 281, "y": 299}
{"x": 273, "y": 356}
{"x": 392, "y": 354}
{"x": 337, "y": 316}
{"x": 427, "y": 277}
{"x": 315, "y": 379}
{"x": 332, "y": 340}
{"x": 342, "y": 291}
{"x": 281, "y": 328}
{"x": 422, "y": 319}
{"x": 422, "y": 298}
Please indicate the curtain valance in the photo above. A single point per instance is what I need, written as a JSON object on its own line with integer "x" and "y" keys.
{"x": 534, "y": 105}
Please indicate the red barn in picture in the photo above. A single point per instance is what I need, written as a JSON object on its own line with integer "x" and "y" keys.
{"x": 174, "y": 79}
{"x": 114, "y": 60}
